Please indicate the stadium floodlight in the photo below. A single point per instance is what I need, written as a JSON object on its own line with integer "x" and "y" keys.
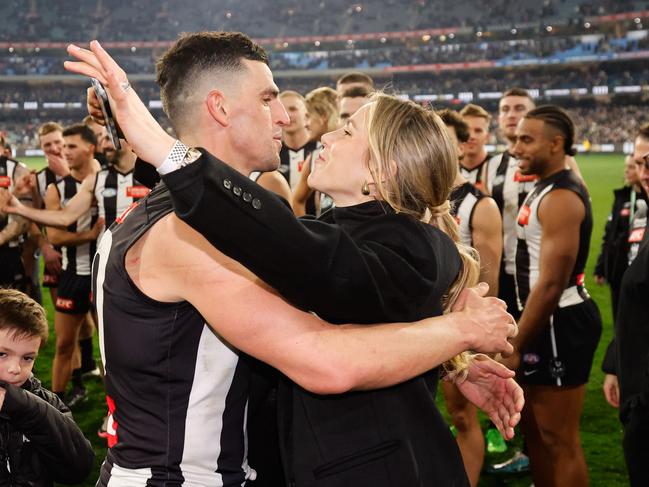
{"x": 587, "y": 25}
{"x": 637, "y": 20}
{"x": 442, "y": 38}
{"x": 11, "y": 49}
{"x": 425, "y": 37}
{"x": 479, "y": 33}
{"x": 451, "y": 35}
{"x": 513, "y": 31}
{"x": 316, "y": 43}
{"x": 600, "y": 90}
{"x": 548, "y": 28}
{"x": 383, "y": 40}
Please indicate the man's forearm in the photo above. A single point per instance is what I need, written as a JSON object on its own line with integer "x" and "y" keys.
{"x": 53, "y": 218}
{"x": 15, "y": 228}
{"x": 539, "y": 307}
{"x": 70, "y": 239}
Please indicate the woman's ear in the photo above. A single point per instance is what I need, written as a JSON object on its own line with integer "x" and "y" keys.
{"x": 216, "y": 107}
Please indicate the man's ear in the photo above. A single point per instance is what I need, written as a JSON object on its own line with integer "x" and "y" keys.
{"x": 216, "y": 106}
{"x": 558, "y": 142}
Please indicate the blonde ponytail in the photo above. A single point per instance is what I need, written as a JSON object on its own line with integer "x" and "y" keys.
{"x": 457, "y": 368}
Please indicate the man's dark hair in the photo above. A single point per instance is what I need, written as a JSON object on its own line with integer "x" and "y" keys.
{"x": 643, "y": 131}
{"x": 356, "y": 92}
{"x": 194, "y": 53}
{"x": 516, "y": 91}
{"x": 84, "y": 131}
{"x": 355, "y": 77}
{"x": 21, "y": 316}
{"x": 455, "y": 120}
{"x": 559, "y": 119}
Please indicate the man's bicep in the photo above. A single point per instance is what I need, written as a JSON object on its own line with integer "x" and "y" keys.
{"x": 561, "y": 214}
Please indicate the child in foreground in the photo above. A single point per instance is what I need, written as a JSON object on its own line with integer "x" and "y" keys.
{"x": 39, "y": 441}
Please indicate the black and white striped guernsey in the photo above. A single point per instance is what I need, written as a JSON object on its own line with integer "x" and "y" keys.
{"x": 528, "y": 252}
{"x": 509, "y": 188}
{"x": 475, "y": 175}
{"x": 44, "y": 178}
{"x": 77, "y": 258}
{"x": 7, "y": 180}
{"x": 177, "y": 391}
{"x": 290, "y": 165}
{"x": 115, "y": 192}
{"x": 463, "y": 200}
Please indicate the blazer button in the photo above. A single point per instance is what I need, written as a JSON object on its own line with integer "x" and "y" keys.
{"x": 237, "y": 191}
{"x": 247, "y": 197}
{"x": 256, "y": 204}
{"x": 227, "y": 184}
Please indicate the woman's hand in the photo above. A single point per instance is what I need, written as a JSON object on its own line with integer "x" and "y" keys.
{"x": 491, "y": 387}
{"x": 147, "y": 139}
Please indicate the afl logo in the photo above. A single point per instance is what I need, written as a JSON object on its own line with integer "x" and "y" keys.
{"x": 109, "y": 193}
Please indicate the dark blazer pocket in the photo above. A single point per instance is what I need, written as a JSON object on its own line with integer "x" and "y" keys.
{"x": 361, "y": 457}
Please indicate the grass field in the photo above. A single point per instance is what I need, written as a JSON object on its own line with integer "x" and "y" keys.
{"x": 601, "y": 430}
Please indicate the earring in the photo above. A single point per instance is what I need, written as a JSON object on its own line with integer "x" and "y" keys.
{"x": 365, "y": 189}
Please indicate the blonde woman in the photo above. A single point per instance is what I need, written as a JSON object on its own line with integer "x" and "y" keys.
{"x": 375, "y": 257}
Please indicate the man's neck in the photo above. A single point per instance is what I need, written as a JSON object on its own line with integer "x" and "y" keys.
{"x": 552, "y": 167}
{"x": 221, "y": 150}
{"x": 126, "y": 162}
{"x": 83, "y": 171}
{"x": 296, "y": 140}
{"x": 472, "y": 161}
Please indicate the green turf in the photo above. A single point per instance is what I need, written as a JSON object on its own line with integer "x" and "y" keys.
{"x": 601, "y": 431}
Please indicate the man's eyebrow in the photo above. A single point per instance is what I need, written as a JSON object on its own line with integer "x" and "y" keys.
{"x": 274, "y": 92}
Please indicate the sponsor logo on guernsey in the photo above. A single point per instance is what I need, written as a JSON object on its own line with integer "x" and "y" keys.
{"x": 109, "y": 193}
{"x": 531, "y": 359}
{"x": 524, "y": 215}
{"x": 64, "y": 303}
{"x": 636, "y": 235}
{"x": 137, "y": 191}
{"x": 524, "y": 178}
{"x": 5, "y": 182}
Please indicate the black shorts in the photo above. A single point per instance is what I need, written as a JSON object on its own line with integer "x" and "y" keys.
{"x": 507, "y": 292}
{"x": 576, "y": 334}
{"x": 12, "y": 272}
{"x": 50, "y": 280}
{"x": 74, "y": 294}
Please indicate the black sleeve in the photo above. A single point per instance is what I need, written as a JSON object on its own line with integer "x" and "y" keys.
{"x": 145, "y": 173}
{"x": 315, "y": 265}
{"x": 600, "y": 268}
{"x": 609, "y": 364}
{"x": 64, "y": 452}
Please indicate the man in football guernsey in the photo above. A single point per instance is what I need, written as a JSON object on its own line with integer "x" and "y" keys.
{"x": 296, "y": 140}
{"x": 12, "y": 228}
{"x": 112, "y": 190}
{"x": 170, "y": 341}
{"x": 560, "y": 325}
{"x": 480, "y": 227}
{"x": 78, "y": 247}
{"x": 475, "y": 154}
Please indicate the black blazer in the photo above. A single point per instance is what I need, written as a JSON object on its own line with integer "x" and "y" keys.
{"x": 361, "y": 264}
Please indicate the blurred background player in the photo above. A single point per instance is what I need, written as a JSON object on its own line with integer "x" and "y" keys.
{"x": 560, "y": 325}
{"x": 480, "y": 227}
{"x": 475, "y": 154}
{"x": 353, "y": 80}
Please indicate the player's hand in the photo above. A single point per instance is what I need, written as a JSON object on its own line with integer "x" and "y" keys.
{"x": 96, "y": 229}
{"x": 58, "y": 164}
{"x": 612, "y": 390}
{"x": 24, "y": 185}
{"x": 491, "y": 387}
{"x": 8, "y": 202}
{"x": 52, "y": 259}
{"x": 486, "y": 320}
{"x": 147, "y": 139}
{"x": 93, "y": 106}
{"x": 511, "y": 361}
